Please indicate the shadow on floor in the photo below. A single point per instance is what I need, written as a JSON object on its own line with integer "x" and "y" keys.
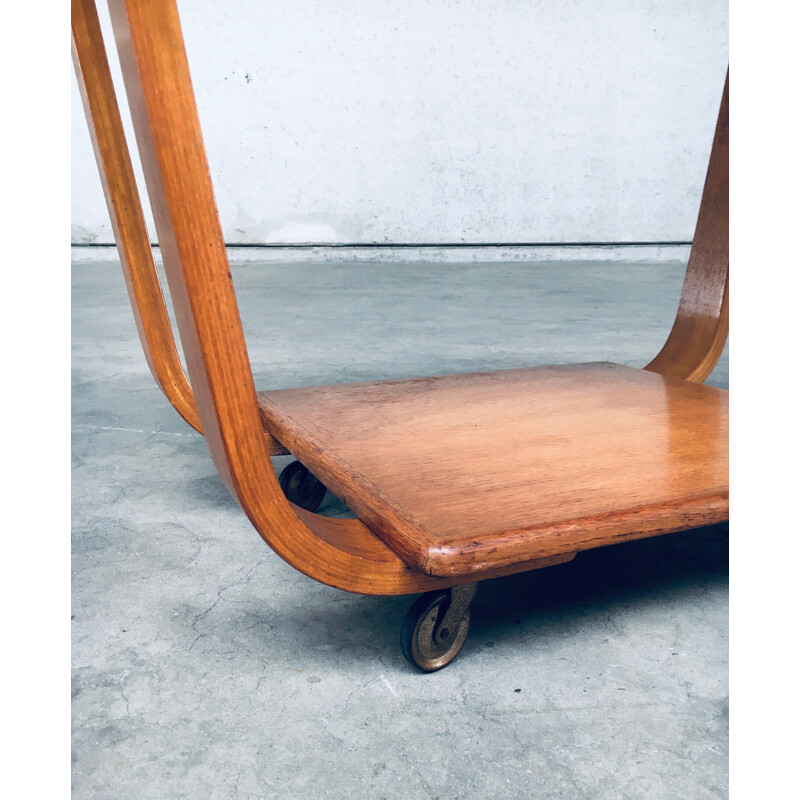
{"x": 631, "y": 572}
{"x": 554, "y": 601}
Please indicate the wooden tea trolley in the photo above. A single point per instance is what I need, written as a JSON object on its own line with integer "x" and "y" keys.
{"x": 454, "y": 479}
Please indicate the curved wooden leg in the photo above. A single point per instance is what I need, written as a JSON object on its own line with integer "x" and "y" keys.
{"x": 127, "y": 218}
{"x": 700, "y": 329}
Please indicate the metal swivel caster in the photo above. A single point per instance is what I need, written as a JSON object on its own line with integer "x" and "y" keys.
{"x": 436, "y": 626}
{"x": 301, "y": 487}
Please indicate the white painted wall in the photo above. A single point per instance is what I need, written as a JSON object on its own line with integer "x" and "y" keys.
{"x": 436, "y": 121}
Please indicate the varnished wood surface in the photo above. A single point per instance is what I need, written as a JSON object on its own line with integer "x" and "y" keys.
{"x": 700, "y": 331}
{"x": 125, "y": 209}
{"x": 343, "y": 553}
{"x": 467, "y": 472}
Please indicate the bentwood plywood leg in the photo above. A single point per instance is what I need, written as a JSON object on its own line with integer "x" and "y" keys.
{"x": 700, "y": 330}
{"x": 593, "y": 454}
{"x": 125, "y": 210}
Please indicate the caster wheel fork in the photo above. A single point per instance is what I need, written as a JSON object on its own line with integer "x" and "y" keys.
{"x": 436, "y": 627}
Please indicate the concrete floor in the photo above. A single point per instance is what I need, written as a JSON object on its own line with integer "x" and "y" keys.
{"x": 204, "y": 666}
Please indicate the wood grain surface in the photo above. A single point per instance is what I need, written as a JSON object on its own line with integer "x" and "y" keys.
{"x": 700, "y": 329}
{"x": 127, "y": 218}
{"x": 341, "y": 553}
{"x": 125, "y": 210}
{"x": 462, "y": 478}
{"x": 465, "y": 472}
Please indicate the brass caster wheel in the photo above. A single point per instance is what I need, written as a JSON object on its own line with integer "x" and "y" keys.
{"x": 436, "y": 627}
{"x": 301, "y": 487}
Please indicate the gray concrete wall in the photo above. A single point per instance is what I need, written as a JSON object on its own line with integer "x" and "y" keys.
{"x": 447, "y": 121}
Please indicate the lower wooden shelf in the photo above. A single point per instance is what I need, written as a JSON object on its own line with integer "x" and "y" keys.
{"x": 461, "y": 474}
